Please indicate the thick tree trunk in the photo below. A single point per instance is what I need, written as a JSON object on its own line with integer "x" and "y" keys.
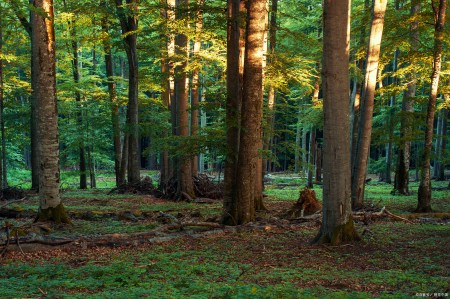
{"x": 113, "y": 101}
{"x": 185, "y": 182}
{"x": 233, "y": 107}
{"x": 129, "y": 25}
{"x": 251, "y": 115}
{"x": 424, "y": 193}
{"x": 401, "y": 184}
{"x": 365, "y": 127}
{"x": 43, "y": 38}
{"x": 124, "y": 161}
{"x": 337, "y": 223}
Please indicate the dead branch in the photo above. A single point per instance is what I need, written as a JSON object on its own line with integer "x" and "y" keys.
{"x": 12, "y": 201}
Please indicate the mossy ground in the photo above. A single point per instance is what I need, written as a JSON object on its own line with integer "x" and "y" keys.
{"x": 394, "y": 259}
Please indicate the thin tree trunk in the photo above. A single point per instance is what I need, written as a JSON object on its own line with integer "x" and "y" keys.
{"x": 337, "y": 223}
{"x": 129, "y": 25}
{"x": 185, "y": 182}
{"x": 195, "y": 81}
{"x": 365, "y": 127}
{"x": 442, "y": 150}
{"x": 124, "y": 161}
{"x": 404, "y": 152}
{"x": 93, "y": 181}
{"x": 312, "y": 151}
{"x": 424, "y": 193}
{"x": 76, "y": 79}
{"x": 437, "y": 147}
{"x": 43, "y": 38}
{"x": 113, "y": 102}
{"x": 3, "y": 154}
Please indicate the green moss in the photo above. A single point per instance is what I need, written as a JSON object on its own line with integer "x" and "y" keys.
{"x": 57, "y": 214}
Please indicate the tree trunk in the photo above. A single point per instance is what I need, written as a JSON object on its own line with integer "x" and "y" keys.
{"x": 251, "y": 115}
{"x": 76, "y": 79}
{"x": 185, "y": 182}
{"x": 365, "y": 127}
{"x": 43, "y": 38}
{"x": 2, "y": 156}
{"x": 442, "y": 150}
{"x": 437, "y": 147}
{"x": 195, "y": 81}
{"x": 424, "y": 193}
{"x": 401, "y": 184}
{"x": 91, "y": 162}
{"x": 129, "y": 25}
{"x": 337, "y": 223}
{"x": 113, "y": 101}
{"x": 311, "y": 162}
{"x": 124, "y": 161}
{"x": 233, "y": 108}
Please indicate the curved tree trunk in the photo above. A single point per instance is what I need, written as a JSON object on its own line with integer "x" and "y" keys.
{"x": 337, "y": 223}
{"x": 424, "y": 193}
{"x": 365, "y": 127}
{"x": 43, "y": 38}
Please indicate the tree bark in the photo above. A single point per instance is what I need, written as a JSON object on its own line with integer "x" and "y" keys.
{"x": 129, "y": 25}
{"x": 424, "y": 193}
{"x": 184, "y": 173}
{"x": 43, "y": 38}
{"x": 365, "y": 127}
{"x": 233, "y": 108}
{"x": 312, "y": 152}
{"x": 251, "y": 114}
{"x": 337, "y": 223}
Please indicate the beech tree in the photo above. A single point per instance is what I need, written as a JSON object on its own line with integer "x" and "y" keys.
{"x": 127, "y": 13}
{"x": 337, "y": 222}
{"x": 365, "y": 128}
{"x": 43, "y": 39}
{"x": 424, "y": 193}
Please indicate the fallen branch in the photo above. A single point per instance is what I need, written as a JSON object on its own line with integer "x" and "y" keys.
{"x": 397, "y": 217}
{"x": 12, "y": 201}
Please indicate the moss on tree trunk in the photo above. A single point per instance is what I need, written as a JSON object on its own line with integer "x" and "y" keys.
{"x": 56, "y": 214}
{"x": 344, "y": 233}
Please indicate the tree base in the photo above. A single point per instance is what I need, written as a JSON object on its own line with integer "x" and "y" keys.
{"x": 57, "y": 214}
{"x": 342, "y": 234}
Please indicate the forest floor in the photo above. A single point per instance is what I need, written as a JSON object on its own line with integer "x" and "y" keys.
{"x": 138, "y": 246}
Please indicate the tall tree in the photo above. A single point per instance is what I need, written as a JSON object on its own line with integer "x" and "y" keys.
{"x": 43, "y": 38}
{"x": 129, "y": 23}
{"x": 185, "y": 182}
{"x": 401, "y": 183}
{"x": 337, "y": 223}
{"x": 233, "y": 108}
{"x": 251, "y": 114}
{"x": 195, "y": 80}
{"x": 424, "y": 193}
{"x": 113, "y": 99}
{"x": 76, "y": 79}
{"x": 2, "y": 156}
{"x": 359, "y": 170}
